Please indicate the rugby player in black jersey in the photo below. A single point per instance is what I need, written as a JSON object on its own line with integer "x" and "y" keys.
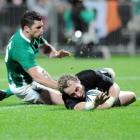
{"x": 75, "y": 90}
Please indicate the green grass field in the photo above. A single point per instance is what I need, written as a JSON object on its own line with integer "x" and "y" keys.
{"x": 20, "y": 121}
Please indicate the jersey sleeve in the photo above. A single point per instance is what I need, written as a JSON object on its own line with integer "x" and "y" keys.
{"x": 25, "y": 57}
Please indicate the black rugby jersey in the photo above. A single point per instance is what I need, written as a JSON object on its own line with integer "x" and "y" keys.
{"x": 90, "y": 79}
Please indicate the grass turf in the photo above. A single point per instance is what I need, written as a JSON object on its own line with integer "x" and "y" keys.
{"x": 39, "y": 122}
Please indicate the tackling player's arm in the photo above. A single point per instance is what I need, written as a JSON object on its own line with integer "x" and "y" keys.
{"x": 52, "y": 52}
{"x": 40, "y": 78}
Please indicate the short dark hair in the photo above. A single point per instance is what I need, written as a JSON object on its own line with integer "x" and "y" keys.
{"x": 29, "y": 17}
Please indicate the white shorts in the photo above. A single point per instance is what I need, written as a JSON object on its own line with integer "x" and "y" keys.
{"x": 29, "y": 93}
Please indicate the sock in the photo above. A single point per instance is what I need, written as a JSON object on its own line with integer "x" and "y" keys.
{"x": 8, "y": 93}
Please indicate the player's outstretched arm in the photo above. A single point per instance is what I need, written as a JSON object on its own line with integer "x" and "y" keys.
{"x": 90, "y": 105}
{"x": 40, "y": 78}
{"x": 52, "y": 52}
{"x": 113, "y": 95}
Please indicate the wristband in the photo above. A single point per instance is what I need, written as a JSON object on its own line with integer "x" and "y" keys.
{"x": 110, "y": 101}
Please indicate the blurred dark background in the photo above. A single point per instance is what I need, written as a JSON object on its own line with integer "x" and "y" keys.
{"x": 85, "y": 27}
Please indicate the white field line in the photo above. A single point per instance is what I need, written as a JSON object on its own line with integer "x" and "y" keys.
{"x": 19, "y": 106}
{"x": 118, "y": 78}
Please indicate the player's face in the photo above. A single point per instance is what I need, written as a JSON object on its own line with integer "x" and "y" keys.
{"x": 75, "y": 89}
{"x": 36, "y": 30}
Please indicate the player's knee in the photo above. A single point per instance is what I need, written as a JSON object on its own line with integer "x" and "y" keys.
{"x": 129, "y": 98}
{"x": 132, "y": 96}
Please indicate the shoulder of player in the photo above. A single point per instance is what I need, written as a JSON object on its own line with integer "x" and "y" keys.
{"x": 87, "y": 72}
{"x": 18, "y": 40}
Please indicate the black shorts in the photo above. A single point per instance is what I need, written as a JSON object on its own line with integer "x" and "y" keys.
{"x": 117, "y": 103}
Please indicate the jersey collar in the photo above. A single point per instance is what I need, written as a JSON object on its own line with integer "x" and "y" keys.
{"x": 23, "y": 36}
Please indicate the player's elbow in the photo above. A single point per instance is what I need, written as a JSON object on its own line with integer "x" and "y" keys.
{"x": 114, "y": 90}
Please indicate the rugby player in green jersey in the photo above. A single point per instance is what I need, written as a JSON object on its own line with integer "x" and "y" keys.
{"x": 26, "y": 79}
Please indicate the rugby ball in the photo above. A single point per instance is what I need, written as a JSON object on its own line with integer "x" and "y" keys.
{"x": 92, "y": 94}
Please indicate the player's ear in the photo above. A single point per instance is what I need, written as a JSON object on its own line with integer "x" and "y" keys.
{"x": 26, "y": 29}
{"x": 69, "y": 83}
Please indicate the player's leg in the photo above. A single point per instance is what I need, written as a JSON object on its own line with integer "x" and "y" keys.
{"x": 38, "y": 94}
{"x": 5, "y": 94}
{"x": 48, "y": 95}
{"x": 51, "y": 96}
{"x": 2, "y": 95}
{"x": 127, "y": 97}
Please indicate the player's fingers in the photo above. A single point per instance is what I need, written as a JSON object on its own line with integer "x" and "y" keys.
{"x": 106, "y": 97}
{"x": 106, "y": 93}
{"x": 100, "y": 95}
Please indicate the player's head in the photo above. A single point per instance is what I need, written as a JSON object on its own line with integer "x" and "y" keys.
{"x": 71, "y": 86}
{"x": 32, "y": 24}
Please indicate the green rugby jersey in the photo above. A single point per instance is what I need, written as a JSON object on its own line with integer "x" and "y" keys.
{"x": 20, "y": 56}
